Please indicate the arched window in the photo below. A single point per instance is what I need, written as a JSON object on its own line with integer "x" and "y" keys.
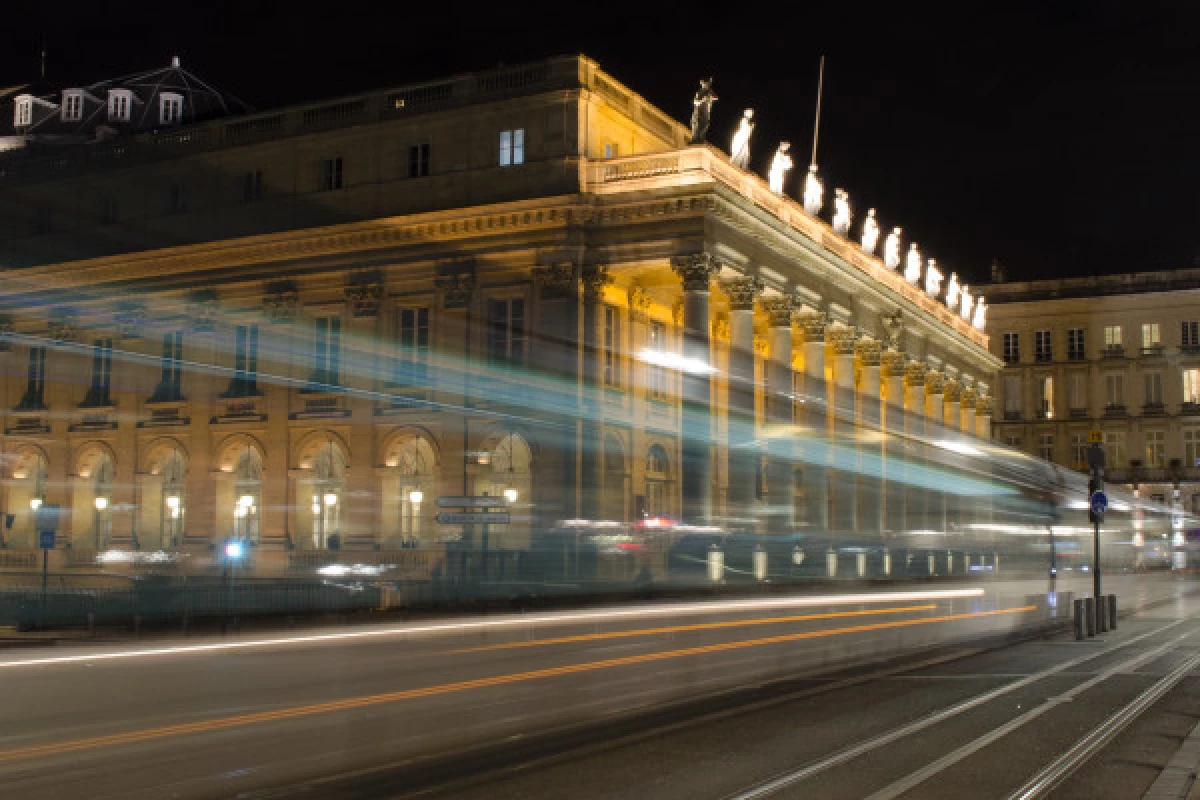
{"x": 247, "y": 492}
{"x": 102, "y": 495}
{"x": 613, "y": 506}
{"x": 658, "y": 482}
{"x": 408, "y": 489}
{"x": 511, "y": 460}
{"x": 27, "y": 493}
{"x": 173, "y": 506}
{"x": 329, "y": 467}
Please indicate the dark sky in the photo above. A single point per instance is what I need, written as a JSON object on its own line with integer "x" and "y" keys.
{"x": 1057, "y": 137}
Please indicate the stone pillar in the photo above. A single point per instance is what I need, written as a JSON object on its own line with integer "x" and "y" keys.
{"x": 814, "y": 449}
{"x": 557, "y": 318}
{"x": 780, "y": 491}
{"x": 843, "y": 484}
{"x": 935, "y": 387}
{"x": 870, "y": 449}
{"x": 743, "y": 454}
{"x": 894, "y": 491}
{"x": 914, "y": 427}
{"x": 966, "y": 404}
{"x": 697, "y": 272}
{"x": 952, "y": 404}
{"x": 591, "y": 446}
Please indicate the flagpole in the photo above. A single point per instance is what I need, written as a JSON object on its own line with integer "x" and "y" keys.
{"x": 817, "y": 123}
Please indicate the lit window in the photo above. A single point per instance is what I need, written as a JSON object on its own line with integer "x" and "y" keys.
{"x": 612, "y": 344}
{"x": 120, "y": 102}
{"x": 1191, "y": 386}
{"x": 1114, "y": 390}
{"x": 23, "y": 111}
{"x": 1046, "y": 400}
{"x": 170, "y": 108}
{"x": 1150, "y": 335}
{"x": 1156, "y": 448}
{"x": 512, "y": 147}
{"x": 72, "y": 105}
{"x": 611, "y": 150}
{"x": 1112, "y": 337}
{"x": 1114, "y": 448}
{"x": 1153, "y": 381}
{"x": 1079, "y": 448}
{"x": 658, "y": 373}
{"x": 1191, "y": 447}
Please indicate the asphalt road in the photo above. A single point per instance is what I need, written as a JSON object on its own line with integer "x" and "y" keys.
{"x": 627, "y": 694}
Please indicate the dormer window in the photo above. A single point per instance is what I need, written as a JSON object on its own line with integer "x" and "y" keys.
{"x": 72, "y": 105}
{"x": 120, "y": 103}
{"x": 23, "y": 111}
{"x": 170, "y": 108}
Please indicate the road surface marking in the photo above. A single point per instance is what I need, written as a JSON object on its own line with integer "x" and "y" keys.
{"x": 515, "y": 621}
{"x": 702, "y": 626}
{"x": 242, "y": 720}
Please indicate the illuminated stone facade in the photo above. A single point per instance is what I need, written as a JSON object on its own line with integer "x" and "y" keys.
{"x": 286, "y": 356}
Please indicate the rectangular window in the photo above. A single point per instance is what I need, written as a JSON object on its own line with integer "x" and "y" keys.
{"x": 1012, "y": 397}
{"x": 1079, "y": 448}
{"x": 327, "y": 351}
{"x": 1114, "y": 390}
{"x": 1112, "y": 337}
{"x": 611, "y": 150}
{"x": 1150, "y": 335}
{"x": 1153, "y": 384}
{"x": 176, "y": 199}
{"x": 252, "y": 186}
{"x": 1156, "y": 448}
{"x": 418, "y": 160}
{"x": 35, "y": 386}
{"x": 1189, "y": 336}
{"x": 512, "y": 147}
{"x": 1012, "y": 348}
{"x": 172, "y": 368}
{"x": 1041, "y": 346}
{"x": 658, "y": 374}
{"x": 1046, "y": 446}
{"x": 245, "y": 362}
{"x": 506, "y": 331}
{"x": 1013, "y": 442}
{"x": 1077, "y": 393}
{"x": 170, "y": 110}
{"x": 1114, "y": 448}
{"x": 118, "y": 106}
{"x": 612, "y": 345}
{"x": 412, "y": 344}
{"x": 1076, "y": 348}
{"x": 24, "y": 115}
{"x": 1046, "y": 398}
{"x": 331, "y": 174}
{"x": 1191, "y": 386}
{"x": 108, "y": 212}
{"x": 98, "y": 392}
{"x": 72, "y": 108}
{"x": 1191, "y": 447}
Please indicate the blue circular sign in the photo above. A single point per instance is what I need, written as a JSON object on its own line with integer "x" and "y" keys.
{"x": 1099, "y": 503}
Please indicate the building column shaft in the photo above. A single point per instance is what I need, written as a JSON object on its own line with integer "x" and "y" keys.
{"x": 844, "y": 481}
{"x": 743, "y": 456}
{"x": 870, "y": 484}
{"x": 779, "y": 413}
{"x": 893, "y": 454}
{"x": 816, "y": 443}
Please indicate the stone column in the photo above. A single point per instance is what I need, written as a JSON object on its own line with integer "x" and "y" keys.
{"x": 892, "y": 373}
{"x": 843, "y": 484}
{"x": 591, "y": 446}
{"x": 780, "y": 492}
{"x": 967, "y": 401}
{"x": 914, "y": 427}
{"x": 983, "y": 417}
{"x": 870, "y": 450}
{"x": 697, "y": 272}
{"x": 558, "y": 341}
{"x": 952, "y": 404}
{"x": 935, "y": 505}
{"x": 743, "y": 454}
{"x": 814, "y": 448}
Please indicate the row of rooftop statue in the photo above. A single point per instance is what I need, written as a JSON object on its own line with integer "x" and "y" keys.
{"x": 957, "y": 296}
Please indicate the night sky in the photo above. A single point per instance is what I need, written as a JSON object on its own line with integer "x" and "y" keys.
{"x": 1057, "y": 137}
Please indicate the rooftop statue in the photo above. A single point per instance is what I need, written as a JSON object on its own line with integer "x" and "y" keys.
{"x": 841, "y": 212}
{"x": 779, "y": 168}
{"x": 702, "y": 111}
{"x": 814, "y": 192}
{"x": 980, "y": 319}
{"x": 891, "y": 249}
{"x": 933, "y": 279}
{"x": 912, "y": 264}
{"x": 952, "y": 292}
{"x": 967, "y": 303}
{"x": 739, "y": 149}
{"x": 870, "y": 233}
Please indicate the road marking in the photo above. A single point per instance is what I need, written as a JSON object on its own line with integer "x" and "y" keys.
{"x": 773, "y": 785}
{"x": 242, "y": 720}
{"x": 516, "y": 621}
{"x": 702, "y": 626}
{"x": 918, "y": 777}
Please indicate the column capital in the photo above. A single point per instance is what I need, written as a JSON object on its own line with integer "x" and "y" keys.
{"x": 952, "y": 390}
{"x": 555, "y": 280}
{"x": 594, "y": 278}
{"x": 813, "y": 324}
{"x": 842, "y": 338}
{"x": 915, "y": 373}
{"x": 696, "y": 270}
{"x": 893, "y": 363}
{"x": 869, "y": 351}
{"x": 968, "y": 398}
{"x": 934, "y": 382}
{"x": 983, "y": 406}
{"x": 742, "y": 292}
{"x": 779, "y": 310}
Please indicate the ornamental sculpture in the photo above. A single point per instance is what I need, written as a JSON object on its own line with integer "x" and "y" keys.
{"x": 912, "y": 264}
{"x": 980, "y": 318}
{"x": 892, "y": 324}
{"x": 968, "y": 303}
{"x": 739, "y": 149}
{"x": 891, "y": 249}
{"x": 780, "y": 165}
{"x": 702, "y": 110}
{"x": 933, "y": 279}
{"x": 841, "y": 212}
{"x": 814, "y": 192}
{"x": 952, "y": 292}
{"x": 870, "y": 233}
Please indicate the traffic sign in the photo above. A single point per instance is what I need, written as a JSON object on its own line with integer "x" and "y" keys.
{"x": 1096, "y": 437}
{"x": 473, "y": 518}
{"x": 46, "y": 540}
{"x": 1099, "y": 503}
{"x": 472, "y": 502}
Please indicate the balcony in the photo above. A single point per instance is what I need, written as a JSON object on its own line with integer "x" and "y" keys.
{"x": 1189, "y": 349}
{"x": 1043, "y": 357}
{"x": 1114, "y": 351}
{"x": 1012, "y": 416}
{"x": 1078, "y": 413}
{"x": 1189, "y": 409}
{"x": 1116, "y": 410}
{"x": 1154, "y": 410}
{"x": 1076, "y": 355}
{"x": 1153, "y": 351}
{"x": 1044, "y": 413}
{"x": 1012, "y": 358}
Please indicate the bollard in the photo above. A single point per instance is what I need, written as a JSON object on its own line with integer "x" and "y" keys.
{"x": 1112, "y": 612}
{"x": 760, "y": 563}
{"x": 1089, "y": 615}
{"x": 716, "y": 564}
{"x": 1101, "y": 615}
{"x": 1080, "y": 627}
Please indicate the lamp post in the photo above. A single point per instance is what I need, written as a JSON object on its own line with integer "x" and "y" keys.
{"x": 172, "y": 501}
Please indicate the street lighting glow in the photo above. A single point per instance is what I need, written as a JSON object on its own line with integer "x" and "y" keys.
{"x": 658, "y": 358}
{"x": 331, "y": 499}
{"x": 35, "y": 503}
{"x": 246, "y": 501}
{"x": 173, "y": 502}
{"x": 101, "y": 503}
{"x": 416, "y": 496}
{"x": 233, "y": 550}
{"x": 510, "y": 495}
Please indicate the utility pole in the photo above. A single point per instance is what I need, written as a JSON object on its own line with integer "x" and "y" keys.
{"x": 1097, "y": 502}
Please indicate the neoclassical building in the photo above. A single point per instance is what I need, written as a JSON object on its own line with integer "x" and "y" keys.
{"x": 301, "y": 327}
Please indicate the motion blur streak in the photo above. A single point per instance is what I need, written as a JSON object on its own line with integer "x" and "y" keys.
{"x": 666, "y": 610}
{"x": 704, "y": 626}
{"x": 242, "y": 720}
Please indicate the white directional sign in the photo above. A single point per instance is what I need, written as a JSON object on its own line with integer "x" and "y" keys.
{"x": 472, "y": 502}
{"x": 473, "y": 518}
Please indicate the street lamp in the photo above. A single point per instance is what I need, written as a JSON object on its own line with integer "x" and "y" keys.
{"x": 101, "y": 504}
{"x": 510, "y": 495}
{"x": 35, "y": 503}
{"x": 173, "y": 509}
{"x": 414, "y": 499}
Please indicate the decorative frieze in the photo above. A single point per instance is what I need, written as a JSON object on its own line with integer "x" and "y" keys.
{"x": 697, "y": 271}
{"x": 202, "y": 310}
{"x": 364, "y": 293}
{"x": 456, "y": 287}
{"x": 779, "y": 310}
{"x": 63, "y": 327}
{"x": 968, "y": 398}
{"x": 742, "y": 292}
{"x": 280, "y": 300}
{"x": 762, "y": 348}
{"x": 983, "y": 406}
{"x": 721, "y": 328}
